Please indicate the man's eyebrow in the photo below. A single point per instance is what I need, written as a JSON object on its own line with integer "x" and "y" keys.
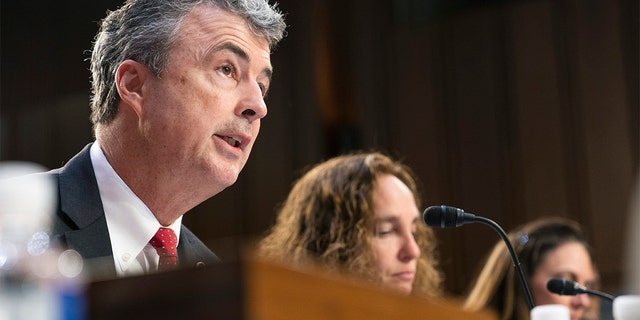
{"x": 242, "y": 54}
{"x": 233, "y": 48}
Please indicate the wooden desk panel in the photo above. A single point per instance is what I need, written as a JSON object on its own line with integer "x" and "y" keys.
{"x": 257, "y": 290}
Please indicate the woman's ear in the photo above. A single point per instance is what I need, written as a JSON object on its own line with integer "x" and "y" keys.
{"x": 130, "y": 78}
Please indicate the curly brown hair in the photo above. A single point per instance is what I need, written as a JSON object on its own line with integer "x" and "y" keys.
{"x": 327, "y": 219}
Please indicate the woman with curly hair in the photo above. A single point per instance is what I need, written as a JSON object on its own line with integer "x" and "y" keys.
{"x": 358, "y": 214}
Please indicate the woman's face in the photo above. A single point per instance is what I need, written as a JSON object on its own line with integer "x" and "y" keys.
{"x": 393, "y": 244}
{"x": 569, "y": 261}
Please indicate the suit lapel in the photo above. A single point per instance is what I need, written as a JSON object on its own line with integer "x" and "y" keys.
{"x": 80, "y": 203}
{"x": 84, "y": 225}
{"x": 192, "y": 252}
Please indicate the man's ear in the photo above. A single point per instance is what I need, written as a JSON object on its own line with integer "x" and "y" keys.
{"x": 130, "y": 78}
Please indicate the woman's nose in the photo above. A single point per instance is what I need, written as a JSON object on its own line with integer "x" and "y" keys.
{"x": 581, "y": 300}
{"x": 410, "y": 249}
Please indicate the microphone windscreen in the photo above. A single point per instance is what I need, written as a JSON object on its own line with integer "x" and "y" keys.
{"x": 564, "y": 287}
{"x": 433, "y": 216}
{"x": 556, "y": 286}
{"x": 442, "y": 216}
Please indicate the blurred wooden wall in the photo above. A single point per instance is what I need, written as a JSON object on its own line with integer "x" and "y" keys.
{"x": 507, "y": 109}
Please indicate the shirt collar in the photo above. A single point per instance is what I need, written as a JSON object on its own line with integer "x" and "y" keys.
{"x": 130, "y": 222}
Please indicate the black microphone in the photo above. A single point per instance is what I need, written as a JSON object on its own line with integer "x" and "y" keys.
{"x": 450, "y": 217}
{"x": 565, "y": 287}
{"x": 447, "y": 217}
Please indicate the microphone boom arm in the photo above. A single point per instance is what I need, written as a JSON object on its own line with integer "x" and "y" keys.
{"x": 600, "y": 294}
{"x": 516, "y": 261}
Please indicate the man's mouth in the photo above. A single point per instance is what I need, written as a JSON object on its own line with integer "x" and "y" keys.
{"x": 230, "y": 140}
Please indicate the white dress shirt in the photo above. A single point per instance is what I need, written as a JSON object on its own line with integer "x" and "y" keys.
{"x": 130, "y": 222}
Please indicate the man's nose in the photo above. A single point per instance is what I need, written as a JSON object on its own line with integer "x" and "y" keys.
{"x": 252, "y": 105}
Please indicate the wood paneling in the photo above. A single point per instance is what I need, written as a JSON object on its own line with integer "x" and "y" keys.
{"x": 605, "y": 143}
{"x": 511, "y": 110}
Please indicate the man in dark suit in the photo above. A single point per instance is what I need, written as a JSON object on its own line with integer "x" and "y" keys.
{"x": 178, "y": 94}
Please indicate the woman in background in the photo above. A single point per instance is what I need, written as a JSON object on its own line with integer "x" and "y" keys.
{"x": 547, "y": 248}
{"x": 358, "y": 214}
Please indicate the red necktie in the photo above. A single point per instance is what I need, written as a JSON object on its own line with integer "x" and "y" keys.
{"x": 165, "y": 242}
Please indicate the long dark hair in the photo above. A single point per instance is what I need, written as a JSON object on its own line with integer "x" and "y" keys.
{"x": 496, "y": 286}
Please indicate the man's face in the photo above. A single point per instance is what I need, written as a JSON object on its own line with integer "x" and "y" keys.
{"x": 201, "y": 117}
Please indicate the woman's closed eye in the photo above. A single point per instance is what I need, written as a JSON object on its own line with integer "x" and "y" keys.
{"x": 384, "y": 229}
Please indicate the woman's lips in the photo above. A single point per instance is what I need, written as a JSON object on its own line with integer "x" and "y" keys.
{"x": 404, "y": 275}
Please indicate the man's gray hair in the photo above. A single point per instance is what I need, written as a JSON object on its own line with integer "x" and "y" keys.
{"x": 146, "y": 30}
